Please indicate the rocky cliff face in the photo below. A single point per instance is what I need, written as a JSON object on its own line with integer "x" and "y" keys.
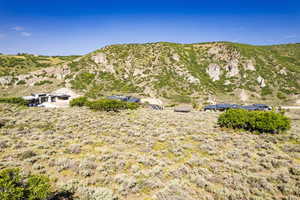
{"x": 168, "y": 70}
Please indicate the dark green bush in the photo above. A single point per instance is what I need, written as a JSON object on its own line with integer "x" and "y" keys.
{"x": 111, "y": 105}
{"x": 21, "y": 82}
{"x": 13, "y": 100}
{"x": 80, "y": 101}
{"x": 43, "y": 82}
{"x": 260, "y": 121}
{"x": 14, "y": 186}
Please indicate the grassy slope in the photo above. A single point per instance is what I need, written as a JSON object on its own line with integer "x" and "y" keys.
{"x": 24, "y": 63}
{"x": 159, "y": 69}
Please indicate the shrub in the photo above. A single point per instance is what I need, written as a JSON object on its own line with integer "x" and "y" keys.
{"x": 14, "y": 186}
{"x": 266, "y": 91}
{"x": 2, "y": 123}
{"x": 11, "y": 186}
{"x": 27, "y": 154}
{"x": 281, "y": 96}
{"x": 260, "y": 121}
{"x": 38, "y": 187}
{"x": 21, "y": 82}
{"x": 181, "y": 99}
{"x": 82, "y": 80}
{"x": 13, "y": 100}
{"x": 80, "y": 101}
{"x": 43, "y": 82}
{"x": 94, "y": 193}
{"x": 111, "y": 105}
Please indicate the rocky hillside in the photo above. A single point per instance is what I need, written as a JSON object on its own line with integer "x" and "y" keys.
{"x": 25, "y": 73}
{"x": 181, "y": 72}
{"x": 26, "y": 68}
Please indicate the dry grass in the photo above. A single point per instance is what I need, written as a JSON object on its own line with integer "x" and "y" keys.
{"x": 148, "y": 154}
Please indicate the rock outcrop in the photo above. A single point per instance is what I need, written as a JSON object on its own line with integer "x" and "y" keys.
{"x": 100, "y": 58}
{"x": 232, "y": 68}
{"x": 261, "y": 81}
{"x": 249, "y": 65}
{"x": 214, "y": 71}
{"x": 6, "y": 80}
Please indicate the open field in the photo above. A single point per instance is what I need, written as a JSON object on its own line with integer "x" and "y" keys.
{"x": 147, "y": 154}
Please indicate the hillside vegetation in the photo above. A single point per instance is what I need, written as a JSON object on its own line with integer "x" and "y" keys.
{"x": 171, "y": 70}
{"x": 181, "y": 72}
{"x": 25, "y": 70}
{"x": 24, "y": 63}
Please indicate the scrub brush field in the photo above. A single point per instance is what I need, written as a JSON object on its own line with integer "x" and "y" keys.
{"x": 146, "y": 154}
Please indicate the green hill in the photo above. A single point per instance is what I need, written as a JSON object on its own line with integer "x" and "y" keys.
{"x": 24, "y": 63}
{"x": 176, "y": 71}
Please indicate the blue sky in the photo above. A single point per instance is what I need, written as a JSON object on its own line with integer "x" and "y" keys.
{"x": 64, "y": 27}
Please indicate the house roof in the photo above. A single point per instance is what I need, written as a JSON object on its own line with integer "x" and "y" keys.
{"x": 28, "y": 98}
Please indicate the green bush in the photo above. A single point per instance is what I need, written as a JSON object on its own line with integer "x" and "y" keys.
{"x": 82, "y": 80}
{"x": 80, "y": 101}
{"x": 11, "y": 186}
{"x": 43, "y": 82}
{"x": 260, "y": 121}
{"x": 266, "y": 91}
{"x": 14, "y": 186}
{"x": 21, "y": 82}
{"x": 111, "y": 105}
{"x": 38, "y": 187}
{"x": 13, "y": 100}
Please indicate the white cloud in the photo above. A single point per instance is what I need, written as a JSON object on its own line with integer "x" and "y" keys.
{"x": 18, "y": 28}
{"x": 26, "y": 34}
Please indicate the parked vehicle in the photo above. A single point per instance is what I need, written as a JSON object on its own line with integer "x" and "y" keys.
{"x": 117, "y": 97}
{"x": 251, "y": 107}
{"x": 223, "y": 107}
{"x": 124, "y": 98}
{"x": 155, "y": 107}
{"x": 263, "y": 106}
{"x": 210, "y": 107}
